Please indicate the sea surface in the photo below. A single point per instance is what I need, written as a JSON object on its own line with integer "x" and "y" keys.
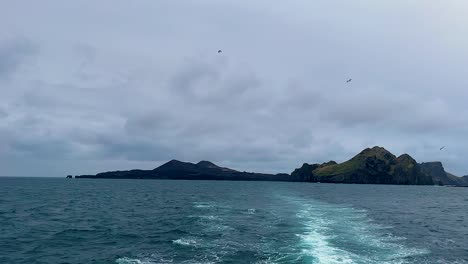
{"x": 50, "y": 220}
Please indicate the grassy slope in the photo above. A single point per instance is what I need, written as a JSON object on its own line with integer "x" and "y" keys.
{"x": 354, "y": 163}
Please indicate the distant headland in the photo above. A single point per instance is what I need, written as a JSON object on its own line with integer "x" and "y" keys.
{"x": 371, "y": 166}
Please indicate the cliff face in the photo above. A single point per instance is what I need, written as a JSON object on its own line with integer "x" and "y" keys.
{"x": 304, "y": 173}
{"x": 371, "y": 166}
{"x": 440, "y": 176}
{"x": 408, "y": 171}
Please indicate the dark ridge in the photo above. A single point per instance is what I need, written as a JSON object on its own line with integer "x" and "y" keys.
{"x": 178, "y": 170}
{"x": 207, "y": 164}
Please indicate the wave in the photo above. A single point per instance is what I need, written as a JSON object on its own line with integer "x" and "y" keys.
{"x": 251, "y": 211}
{"x": 185, "y": 242}
{"x": 126, "y": 260}
{"x": 207, "y": 217}
{"x": 204, "y": 205}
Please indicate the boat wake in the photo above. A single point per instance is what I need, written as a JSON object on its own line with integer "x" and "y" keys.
{"x": 291, "y": 231}
{"x": 336, "y": 234}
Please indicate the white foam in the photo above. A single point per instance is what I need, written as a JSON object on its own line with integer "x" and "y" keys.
{"x": 218, "y": 228}
{"x": 334, "y": 234}
{"x": 205, "y": 217}
{"x": 316, "y": 241}
{"x": 185, "y": 242}
{"x": 126, "y": 260}
{"x": 251, "y": 211}
{"x": 204, "y": 205}
{"x": 322, "y": 251}
{"x": 208, "y": 217}
{"x": 157, "y": 259}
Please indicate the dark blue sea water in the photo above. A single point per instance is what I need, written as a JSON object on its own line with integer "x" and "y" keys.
{"x": 46, "y": 220}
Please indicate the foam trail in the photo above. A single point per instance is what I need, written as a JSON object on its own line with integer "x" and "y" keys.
{"x": 338, "y": 234}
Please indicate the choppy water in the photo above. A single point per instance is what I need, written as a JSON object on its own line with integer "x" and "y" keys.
{"x": 144, "y": 221}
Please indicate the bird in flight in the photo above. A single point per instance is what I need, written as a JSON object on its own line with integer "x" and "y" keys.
{"x": 349, "y": 80}
{"x": 442, "y": 148}
{"x": 219, "y": 51}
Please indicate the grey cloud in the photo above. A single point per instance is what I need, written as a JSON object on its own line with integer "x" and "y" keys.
{"x": 405, "y": 112}
{"x": 133, "y": 149}
{"x": 3, "y": 113}
{"x": 41, "y": 149}
{"x": 13, "y": 53}
{"x": 211, "y": 79}
{"x": 88, "y": 55}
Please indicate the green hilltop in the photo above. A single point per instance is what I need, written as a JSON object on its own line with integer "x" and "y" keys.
{"x": 373, "y": 166}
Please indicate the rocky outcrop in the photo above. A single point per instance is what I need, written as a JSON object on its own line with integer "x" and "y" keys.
{"x": 304, "y": 173}
{"x": 69, "y": 177}
{"x": 440, "y": 176}
{"x": 372, "y": 166}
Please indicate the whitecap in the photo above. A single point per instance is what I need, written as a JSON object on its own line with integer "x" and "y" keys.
{"x": 218, "y": 228}
{"x": 208, "y": 217}
{"x": 126, "y": 260}
{"x": 185, "y": 242}
{"x": 204, "y": 205}
{"x": 251, "y": 211}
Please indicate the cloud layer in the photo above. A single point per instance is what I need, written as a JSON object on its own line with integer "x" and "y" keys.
{"x": 91, "y": 86}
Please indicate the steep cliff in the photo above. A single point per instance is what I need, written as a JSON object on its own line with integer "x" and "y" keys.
{"x": 440, "y": 176}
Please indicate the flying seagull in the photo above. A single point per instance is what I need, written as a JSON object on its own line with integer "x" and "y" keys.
{"x": 442, "y": 148}
{"x": 349, "y": 80}
{"x": 219, "y": 51}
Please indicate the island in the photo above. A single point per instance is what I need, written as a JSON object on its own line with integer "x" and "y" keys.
{"x": 178, "y": 170}
{"x": 371, "y": 166}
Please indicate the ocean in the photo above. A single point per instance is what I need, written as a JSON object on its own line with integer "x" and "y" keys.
{"x": 50, "y": 220}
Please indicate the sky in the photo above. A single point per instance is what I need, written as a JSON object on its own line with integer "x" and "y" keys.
{"x": 90, "y": 86}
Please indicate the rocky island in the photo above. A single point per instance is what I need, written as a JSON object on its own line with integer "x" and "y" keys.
{"x": 371, "y": 166}
{"x": 178, "y": 170}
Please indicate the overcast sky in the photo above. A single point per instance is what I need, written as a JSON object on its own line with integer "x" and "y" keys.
{"x": 89, "y": 86}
